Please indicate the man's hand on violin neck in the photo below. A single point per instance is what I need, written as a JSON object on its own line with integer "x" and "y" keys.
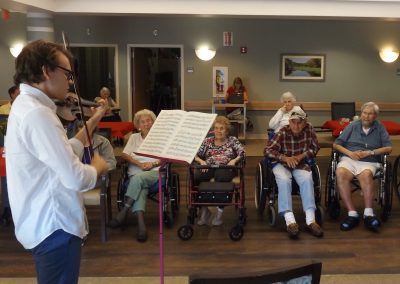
{"x": 101, "y": 109}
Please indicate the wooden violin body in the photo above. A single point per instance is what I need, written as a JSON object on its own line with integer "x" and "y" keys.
{"x": 69, "y": 109}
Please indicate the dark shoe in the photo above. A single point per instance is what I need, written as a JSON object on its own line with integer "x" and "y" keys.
{"x": 293, "y": 230}
{"x": 315, "y": 230}
{"x": 141, "y": 236}
{"x": 349, "y": 223}
{"x": 372, "y": 223}
{"x": 114, "y": 223}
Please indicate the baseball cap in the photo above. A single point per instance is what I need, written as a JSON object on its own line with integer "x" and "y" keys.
{"x": 298, "y": 114}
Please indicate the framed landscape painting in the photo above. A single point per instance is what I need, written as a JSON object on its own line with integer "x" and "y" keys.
{"x": 302, "y": 67}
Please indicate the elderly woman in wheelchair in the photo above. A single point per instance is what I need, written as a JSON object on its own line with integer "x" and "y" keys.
{"x": 361, "y": 145}
{"x": 218, "y": 150}
{"x": 143, "y": 172}
{"x": 290, "y": 148}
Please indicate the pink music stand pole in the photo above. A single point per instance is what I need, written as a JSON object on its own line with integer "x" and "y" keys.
{"x": 161, "y": 220}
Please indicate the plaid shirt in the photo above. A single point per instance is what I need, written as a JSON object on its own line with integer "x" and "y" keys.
{"x": 286, "y": 143}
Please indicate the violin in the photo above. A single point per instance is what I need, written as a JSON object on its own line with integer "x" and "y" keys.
{"x": 69, "y": 108}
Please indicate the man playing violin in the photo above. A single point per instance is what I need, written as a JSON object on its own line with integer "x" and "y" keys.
{"x": 45, "y": 176}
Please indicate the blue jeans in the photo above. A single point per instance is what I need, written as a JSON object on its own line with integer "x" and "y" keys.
{"x": 57, "y": 258}
{"x": 283, "y": 178}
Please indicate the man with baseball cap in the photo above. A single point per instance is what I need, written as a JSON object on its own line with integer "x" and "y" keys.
{"x": 289, "y": 149}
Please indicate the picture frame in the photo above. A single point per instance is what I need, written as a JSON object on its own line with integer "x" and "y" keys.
{"x": 220, "y": 81}
{"x": 302, "y": 67}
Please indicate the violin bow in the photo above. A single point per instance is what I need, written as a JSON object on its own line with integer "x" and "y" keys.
{"x": 74, "y": 78}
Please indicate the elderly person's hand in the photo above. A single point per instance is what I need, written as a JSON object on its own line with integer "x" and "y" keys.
{"x": 146, "y": 166}
{"x": 283, "y": 109}
{"x": 102, "y": 109}
{"x": 292, "y": 162}
{"x": 356, "y": 155}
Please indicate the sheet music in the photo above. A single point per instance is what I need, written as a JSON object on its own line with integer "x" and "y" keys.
{"x": 177, "y": 135}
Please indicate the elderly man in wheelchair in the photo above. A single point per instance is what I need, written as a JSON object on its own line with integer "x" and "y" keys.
{"x": 361, "y": 145}
{"x": 290, "y": 147}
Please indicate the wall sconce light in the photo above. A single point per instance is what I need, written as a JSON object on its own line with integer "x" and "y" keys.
{"x": 205, "y": 54}
{"x": 16, "y": 49}
{"x": 388, "y": 55}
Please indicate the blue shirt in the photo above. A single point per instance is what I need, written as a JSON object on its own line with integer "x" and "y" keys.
{"x": 354, "y": 138}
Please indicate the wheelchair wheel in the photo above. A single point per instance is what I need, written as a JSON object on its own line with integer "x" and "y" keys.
{"x": 260, "y": 195}
{"x": 334, "y": 210}
{"x": 168, "y": 220}
{"x": 396, "y": 176}
{"x": 319, "y": 215}
{"x": 387, "y": 194}
{"x": 271, "y": 215}
{"x": 121, "y": 190}
{"x": 185, "y": 232}
{"x": 175, "y": 193}
{"x": 332, "y": 203}
{"x": 236, "y": 233}
{"x": 317, "y": 183}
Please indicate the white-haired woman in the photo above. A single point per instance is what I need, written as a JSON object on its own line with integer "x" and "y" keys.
{"x": 218, "y": 150}
{"x": 281, "y": 118}
{"x": 143, "y": 173}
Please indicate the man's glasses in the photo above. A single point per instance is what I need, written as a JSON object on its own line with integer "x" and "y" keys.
{"x": 69, "y": 74}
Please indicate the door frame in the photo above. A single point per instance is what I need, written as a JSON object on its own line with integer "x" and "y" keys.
{"x": 116, "y": 75}
{"x": 129, "y": 58}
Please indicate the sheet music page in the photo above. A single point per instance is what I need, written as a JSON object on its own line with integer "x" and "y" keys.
{"x": 177, "y": 135}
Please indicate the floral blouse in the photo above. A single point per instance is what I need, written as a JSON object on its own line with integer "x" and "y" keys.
{"x": 220, "y": 155}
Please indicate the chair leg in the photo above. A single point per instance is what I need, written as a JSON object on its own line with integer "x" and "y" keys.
{"x": 103, "y": 213}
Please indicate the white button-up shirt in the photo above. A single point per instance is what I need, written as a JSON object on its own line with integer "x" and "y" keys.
{"x": 45, "y": 177}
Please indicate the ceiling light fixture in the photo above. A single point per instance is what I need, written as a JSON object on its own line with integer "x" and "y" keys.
{"x": 388, "y": 55}
{"x": 205, "y": 54}
{"x": 16, "y": 49}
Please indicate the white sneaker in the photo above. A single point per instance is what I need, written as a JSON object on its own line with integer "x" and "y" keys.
{"x": 217, "y": 220}
{"x": 205, "y": 215}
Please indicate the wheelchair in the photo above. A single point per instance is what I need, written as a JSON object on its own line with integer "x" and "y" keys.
{"x": 396, "y": 176}
{"x": 170, "y": 192}
{"x": 383, "y": 198}
{"x": 214, "y": 193}
{"x": 266, "y": 190}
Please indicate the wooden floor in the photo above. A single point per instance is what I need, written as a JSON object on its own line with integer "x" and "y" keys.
{"x": 211, "y": 250}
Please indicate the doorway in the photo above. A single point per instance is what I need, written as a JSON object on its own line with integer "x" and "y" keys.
{"x": 95, "y": 67}
{"x": 156, "y": 78}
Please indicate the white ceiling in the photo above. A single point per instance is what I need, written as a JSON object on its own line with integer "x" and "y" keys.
{"x": 374, "y": 9}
